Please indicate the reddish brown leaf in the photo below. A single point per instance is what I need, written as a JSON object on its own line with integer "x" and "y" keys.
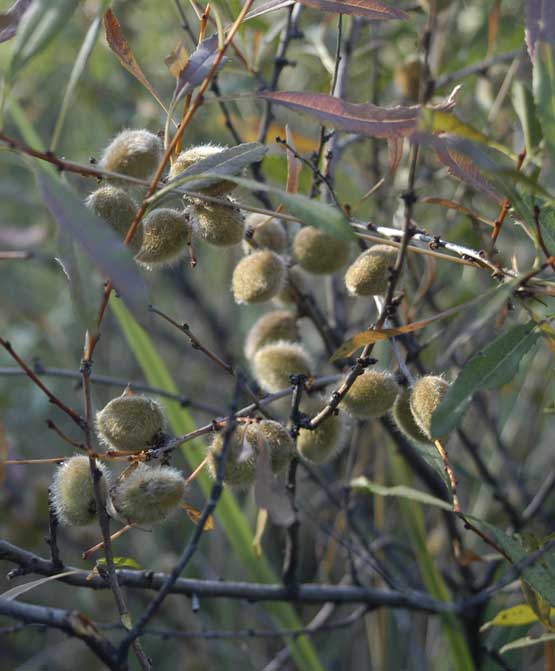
{"x": 121, "y": 48}
{"x": 363, "y": 118}
{"x": 194, "y": 516}
{"x": 395, "y": 149}
{"x": 369, "y": 9}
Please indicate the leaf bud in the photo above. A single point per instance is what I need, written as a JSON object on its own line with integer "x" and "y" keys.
{"x": 369, "y": 274}
{"x": 258, "y": 277}
{"x": 166, "y": 233}
{"x": 148, "y": 494}
{"x": 130, "y": 423}
{"x": 318, "y": 252}
{"x": 73, "y": 491}
{"x": 273, "y": 326}
{"x": 371, "y": 395}
{"x": 273, "y": 365}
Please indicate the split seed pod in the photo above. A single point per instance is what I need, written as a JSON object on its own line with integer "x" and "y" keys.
{"x": 404, "y": 419}
{"x": 191, "y": 156}
{"x": 73, "y": 491}
{"x": 118, "y": 209}
{"x": 426, "y": 395}
{"x": 136, "y": 153}
{"x": 371, "y": 395}
{"x": 258, "y": 277}
{"x": 267, "y": 233}
{"x": 220, "y": 225}
{"x": 148, "y": 494}
{"x": 130, "y": 423}
{"x": 319, "y": 252}
{"x": 277, "y": 325}
{"x": 166, "y": 233}
{"x": 273, "y": 364}
{"x": 324, "y": 442}
{"x": 369, "y": 274}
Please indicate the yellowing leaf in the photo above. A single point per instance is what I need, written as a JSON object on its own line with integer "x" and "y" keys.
{"x": 176, "y": 61}
{"x": 261, "y": 520}
{"x": 512, "y": 617}
{"x": 194, "y": 516}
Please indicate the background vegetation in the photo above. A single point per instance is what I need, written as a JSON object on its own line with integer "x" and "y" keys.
{"x": 405, "y": 553}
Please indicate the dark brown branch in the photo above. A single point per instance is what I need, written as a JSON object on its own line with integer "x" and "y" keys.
{"x": 71, "y": 623}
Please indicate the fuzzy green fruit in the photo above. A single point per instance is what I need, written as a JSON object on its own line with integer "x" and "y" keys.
{"x": 118, "y": 209}
{"x": 219, "y": 225}
{"x": 258, "y": 277}
{"x": 271, "y": 327}
{"x": 273, "y": 365}
{"x": 369, "y": 274}
{"x": 426, "y": 396}
{"x": 371, "y": 395}
{"x": 73, "y": 491}
{"x": 166, "y": 234}
{"x": 266, "y": 233}
{"x": 324, "y": 442}
{"x": 320, "y": 253}
{"x": 136, "y": 153}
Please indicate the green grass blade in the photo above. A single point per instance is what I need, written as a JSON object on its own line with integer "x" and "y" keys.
{"x": 228, "y": 512}
{"x": 413, "y": 520}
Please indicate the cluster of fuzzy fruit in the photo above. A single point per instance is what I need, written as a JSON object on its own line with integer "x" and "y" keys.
{"x": 143, "y": 494}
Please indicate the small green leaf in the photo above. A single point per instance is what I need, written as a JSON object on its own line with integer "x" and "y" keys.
{"x": 41, "y": 23}
{"x": 126, "y": 621}
{"x": 402, "y": 491}
{"x": 526, "y": 642}
{"x": 512, "y": 617}
{"x": 492, "y": 368}
{"x": 122, "y": 562}
{"x": 523, "y": 102}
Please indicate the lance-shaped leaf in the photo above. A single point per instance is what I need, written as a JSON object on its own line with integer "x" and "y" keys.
{"x": 200, "y": 63}
{"x": 102, "y": 245}
{"x": 526, "y": 642}
{"x": 458, "y": 156}
{"x": 492, "y": 368}
{"x": 227, "y": 162}
{"x": 9, "y": 21}
{"x": 369, "y": 9}
{"x": 122, "y": 50}
{"x": 401, "y": 491}
{"x": 39, "y": 26}
{"x": 540, "y": 23}
{"x": 363, "y": 118}
{"x": 512, "y": 617}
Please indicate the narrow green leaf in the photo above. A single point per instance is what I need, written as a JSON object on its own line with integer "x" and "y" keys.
{"x": 310, "y": 212}
{"x": 78, "y": 69}
{"x": 41, "y": 23}
{"x": 523, "y": 102}
{"x": 16, "y": 592}
{"x": 512, "y": 617}
{"x": 232, "y": 519}
{"x": 492, "y": 368}
{"x": 540, "y": 576}
{"x": 97, "y": 239}
{"x": 413, "y": 522}
{"x": 227, "y": 162}
{"x": 526, "y": 642}
{"x": 544, "y": 92}
{"x": 401, "y": 491}
{"x": 122, "y": 562}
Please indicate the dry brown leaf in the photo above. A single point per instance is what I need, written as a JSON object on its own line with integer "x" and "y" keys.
{"x": 195, "y": 515}
{"x": 121, "y": 48}
{"x": 177, "y": 60}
